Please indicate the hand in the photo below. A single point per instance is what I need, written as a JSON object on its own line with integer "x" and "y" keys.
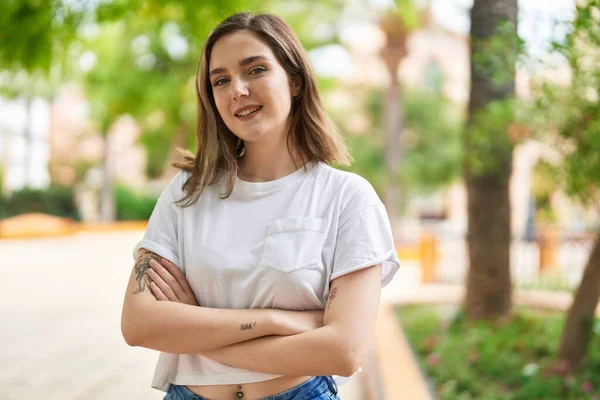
{"x": 295, "y": 322}
{"x": 168, "y": 283}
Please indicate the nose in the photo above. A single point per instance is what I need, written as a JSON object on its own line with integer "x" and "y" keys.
{"x": 239, "y": 89}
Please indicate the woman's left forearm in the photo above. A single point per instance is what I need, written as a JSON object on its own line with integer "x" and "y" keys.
{"x": 316, "y": 353}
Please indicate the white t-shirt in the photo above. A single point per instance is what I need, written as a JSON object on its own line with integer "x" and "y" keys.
{"x": 275, "y": 244}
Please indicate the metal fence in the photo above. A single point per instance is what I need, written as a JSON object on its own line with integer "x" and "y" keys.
{"x": 555, "y": 265}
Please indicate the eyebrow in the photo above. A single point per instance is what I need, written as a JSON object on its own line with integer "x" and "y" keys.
{"x": 242, "y": 63}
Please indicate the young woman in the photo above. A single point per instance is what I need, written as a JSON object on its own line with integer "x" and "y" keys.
{"x": 260, "y": 272}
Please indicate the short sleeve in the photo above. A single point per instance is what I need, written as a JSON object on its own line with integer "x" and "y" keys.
{"x": 363, "y": 240}
{"x": 161, "y": 236}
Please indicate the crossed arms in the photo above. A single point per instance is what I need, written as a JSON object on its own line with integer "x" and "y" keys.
{"x": 263, "y": 340}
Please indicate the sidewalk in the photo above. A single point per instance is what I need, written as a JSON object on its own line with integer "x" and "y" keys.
{"x": 398, "y": 372}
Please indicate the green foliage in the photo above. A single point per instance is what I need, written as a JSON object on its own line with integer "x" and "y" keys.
{"x": 544, "y": 185}
{"x": 493, "y": 108}
{"x": 1, "y": 179}
{"x": 314, "y": 22}
{"x": 368, "y": 160}
{"x": 157, "y": 144}
{"x": 55, "y": 200}
{"x": 35, "y": 33}
{"x": 2, "y": 200}
{"x": 433, "y": 146}
{"x": 488, "y": 146}
{"x": 432, "y": 141}
{"x": 133, "y": 206}
{"x": 409, "y": 13}
{"x": 509, "y": 359}
{"x": 496, "y": 56}
{"x": 569, "y": 114}
{"x": 553, "y": 280}
{"x": 34, "y": 42}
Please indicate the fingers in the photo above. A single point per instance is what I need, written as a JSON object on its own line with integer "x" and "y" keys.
{"x": 177, "y": 274}
{"x": 168, "y": 272}
{"x": 158, "y": 280}
{"x": 160, "y": 296}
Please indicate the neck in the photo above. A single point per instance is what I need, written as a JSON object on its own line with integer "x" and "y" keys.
{"x": 264, "y": 165}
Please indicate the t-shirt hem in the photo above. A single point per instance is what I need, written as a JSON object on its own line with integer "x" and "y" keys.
{"x": 193, "y": 379}
{"x": 389, "y": 268}
{"x": 158, "y": 249}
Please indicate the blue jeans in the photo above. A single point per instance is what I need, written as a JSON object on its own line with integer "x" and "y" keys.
{"x": 316, "y": 388}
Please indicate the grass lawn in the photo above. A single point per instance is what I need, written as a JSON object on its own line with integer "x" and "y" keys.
{"x": 512, "y": 359}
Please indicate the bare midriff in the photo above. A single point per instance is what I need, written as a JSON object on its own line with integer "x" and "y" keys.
{"x": 250, "y": 391}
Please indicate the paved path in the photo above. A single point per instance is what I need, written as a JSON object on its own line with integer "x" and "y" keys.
{"x": 60, "y": 307}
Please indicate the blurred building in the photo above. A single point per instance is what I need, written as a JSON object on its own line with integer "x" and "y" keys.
{"x": 43, "y": 143}
{"x": 24, "y": 143}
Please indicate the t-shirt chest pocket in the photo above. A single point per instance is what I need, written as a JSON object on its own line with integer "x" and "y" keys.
{"x": 294, "y": 243}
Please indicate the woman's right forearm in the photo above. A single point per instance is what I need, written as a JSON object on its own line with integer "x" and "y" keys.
{"x": 182, "y": 329}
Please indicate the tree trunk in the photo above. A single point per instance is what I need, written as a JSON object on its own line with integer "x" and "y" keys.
{"x": 489, "y": 231}
{"x": 107, "y": 197}
{"x": 5, "y": 161}
{"x": 577, "y": 331}
{"x": 393, "y": 121}
{"x": 488, "y": 284}
{"x": 28, "y": 138}
{"x": 393, "y": 115}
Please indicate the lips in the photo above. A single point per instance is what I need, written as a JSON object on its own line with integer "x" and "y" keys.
{"x": 247, "y": 110}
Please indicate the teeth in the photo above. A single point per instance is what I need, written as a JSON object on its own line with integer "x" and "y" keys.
{"x": 250, "y": 111}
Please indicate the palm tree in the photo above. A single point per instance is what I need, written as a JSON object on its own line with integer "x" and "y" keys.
{"x": 397, "y": 26}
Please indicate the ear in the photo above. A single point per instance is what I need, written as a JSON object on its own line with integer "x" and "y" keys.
{"x": 296, "y": 85}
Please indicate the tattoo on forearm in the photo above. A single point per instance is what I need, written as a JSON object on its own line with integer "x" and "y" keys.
{"x": 247, "y": 326}
{"x": 141, "y": 266}
{"x": 332, "y": 296}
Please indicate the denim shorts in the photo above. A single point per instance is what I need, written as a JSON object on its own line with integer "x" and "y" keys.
{"x": 316, "y": 388}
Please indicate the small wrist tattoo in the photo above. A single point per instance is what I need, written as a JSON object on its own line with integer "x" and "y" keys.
{"x": 332, "y": 296}
{"x": 247, "y": 326}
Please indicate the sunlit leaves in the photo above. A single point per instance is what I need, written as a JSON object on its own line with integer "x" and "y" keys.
{"x": 571, "y": 110}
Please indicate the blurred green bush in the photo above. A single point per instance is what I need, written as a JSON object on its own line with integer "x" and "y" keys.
{"x": 512, "y": 358}
{"x": 2, "y": 207}
{"x": 55, "y": 200}
{"x": 60, "y": 201}
{"x": 132, "y": 205}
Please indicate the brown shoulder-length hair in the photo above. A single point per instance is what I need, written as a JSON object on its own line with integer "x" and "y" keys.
{"x": 311, "y": 137}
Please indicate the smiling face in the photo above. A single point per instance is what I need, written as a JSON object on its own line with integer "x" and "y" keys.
{"x": 252, "y": 91}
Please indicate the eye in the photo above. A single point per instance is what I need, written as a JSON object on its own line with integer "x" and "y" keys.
{"x": 257, "y": 70}
{"x": 220, "y": 81}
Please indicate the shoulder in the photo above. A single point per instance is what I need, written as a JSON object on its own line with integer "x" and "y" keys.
{"x": 173, "y": 191}
{"x": 345, "y": 180}
{"x": 353, "y": 191}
